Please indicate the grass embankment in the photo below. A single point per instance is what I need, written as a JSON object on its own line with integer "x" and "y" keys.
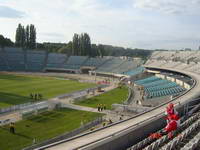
{"x": 16, "y": 89}
{"x": 42, "y": 127}
{"x": 117, "y": 95}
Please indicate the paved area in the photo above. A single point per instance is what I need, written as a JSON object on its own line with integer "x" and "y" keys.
{"x": 13, "y": 117}
{"x": 85, "y": 141}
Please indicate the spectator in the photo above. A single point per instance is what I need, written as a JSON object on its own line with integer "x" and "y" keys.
{"x": 40, "y": 96}
{"x": 36, "y": 96}
{"x": 104, "y": 106}
{"x": 98, "y": 107}
{"x": 110, "y": 121}
{"x": 12, "y": 128}
{"x": 101, "y": 107}
{"x": 31, "y": 95}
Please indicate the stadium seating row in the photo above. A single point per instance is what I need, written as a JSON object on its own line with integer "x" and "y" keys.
{"x": 16, "y": 59}
{"x": 164, "y": 142}
{"x": 157, "y": 87}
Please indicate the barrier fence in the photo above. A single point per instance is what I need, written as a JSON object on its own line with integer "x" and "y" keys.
{"x": 35, "y": 105}
{"x": 65, "y": 136}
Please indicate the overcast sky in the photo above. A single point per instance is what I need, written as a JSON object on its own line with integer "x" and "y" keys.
{"x": 149, "y": 24}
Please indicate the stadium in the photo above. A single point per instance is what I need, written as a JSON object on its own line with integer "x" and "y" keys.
{"x": 53, "y": 100}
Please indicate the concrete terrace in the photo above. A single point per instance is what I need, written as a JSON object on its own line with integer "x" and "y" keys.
{"x": 91, "y": 140}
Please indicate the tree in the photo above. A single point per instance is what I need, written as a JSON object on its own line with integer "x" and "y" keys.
{"x": 75, "y": 44}
{"x": 27, "y": 41}
{"x": 32, "y": 38}
{"x": 18, "y": 36}
{"x": 101, "y": 50}
{"x": 67, "y": 49}
{"x": 2, "y": 41}
{"x": 5, "y": 42}
{"x": 25, "y": 37}
{"x": 94, "y": 50}
{"x": 81, "y": 45}
{"x": 87, "y": 45}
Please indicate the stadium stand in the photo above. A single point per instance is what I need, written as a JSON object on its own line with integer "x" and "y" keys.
{"x": 110, "y": 65}
{"x": 55, "y": 60}
{"x": 74, "y": 62}
{"x": 95, "y": 62}
{"x": 187, "y": 60}
{"x": 35, "y": 60}
{"x": 3, "y": 61}
{"x": 126, "y": 66}
{"x": 179, "y": 141}
{"x": 135, "y": 71}
{"x": 17, "y": 59}
{"x": 157, "y": 87}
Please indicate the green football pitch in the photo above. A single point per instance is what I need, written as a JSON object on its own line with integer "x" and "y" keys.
{"x": 42, "y": 127}
{"x": 117, "y": 95}
{"x": 16, "y": 89}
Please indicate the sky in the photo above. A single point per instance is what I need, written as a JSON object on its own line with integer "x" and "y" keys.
{"x": 148, "y": 24}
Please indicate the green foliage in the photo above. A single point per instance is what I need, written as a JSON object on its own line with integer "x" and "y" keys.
{"x": 81, "y": 45}
{"x": 114, "y": 96}
{"x": 5, "y": 42}
{"x": 16, "y": 89}
{"x": 32, "y": 37}
{"x": 51, "y": 47}
{"x": 42, "y": 127}
{"x": 26, "y": 37}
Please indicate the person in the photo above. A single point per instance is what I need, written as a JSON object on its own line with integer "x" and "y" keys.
{"x": 92, "y": 128}
{"x": 110, "y": 121}
{"x": 104, "y": 124}
{"x": 173, "y": 121}
{"x": 174, "y": 117}
{"x": 170, "y": 110}
{"x": 40, "y": 96}
{"x": 104, "y": 106}
{"x": 35, "y": 96}
{"x": 98, "y": 107}
{"x": 88, "y": 91}
{"x": 155, "y": 135}
{"x": 170, "y": 128}
{"x": 12, "y": 128}
{"x": 101, "y": 107}
{"x": 31, "y": 95}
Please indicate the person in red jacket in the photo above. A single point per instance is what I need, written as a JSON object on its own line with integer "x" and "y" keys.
{"x": 173, "y": 122}
{"x": 171, "y": 126}
{"x": 170, "y": 110}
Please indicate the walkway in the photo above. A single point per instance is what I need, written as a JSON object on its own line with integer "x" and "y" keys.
{"x": 109, "y": 133}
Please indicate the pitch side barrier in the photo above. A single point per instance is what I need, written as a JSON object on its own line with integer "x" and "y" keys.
{"x": 105, "y": 141}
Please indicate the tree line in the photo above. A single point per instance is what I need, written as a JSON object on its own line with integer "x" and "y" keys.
{"x": 25, "y": 37}
{"x": 79, "y": 45}
{"x": 5, "y": 42}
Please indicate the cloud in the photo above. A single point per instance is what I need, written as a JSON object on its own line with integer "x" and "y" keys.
{"x": 128, "y": 23}
{"x": 169, "y": 6}
{"x": 52, "y": 34}
{"x": 8, "y": 12}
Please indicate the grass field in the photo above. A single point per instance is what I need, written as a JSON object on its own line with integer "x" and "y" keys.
{"x": 16, "y": 89}
{"x": 114, "y": 96}
{"x": 42, "y": 127}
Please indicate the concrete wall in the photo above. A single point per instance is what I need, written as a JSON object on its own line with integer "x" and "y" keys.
{"x": 130, "y": 137}
{"x": 127, "y": 138}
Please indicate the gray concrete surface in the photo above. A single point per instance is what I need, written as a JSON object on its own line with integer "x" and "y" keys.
{"x": 95, "y": 140}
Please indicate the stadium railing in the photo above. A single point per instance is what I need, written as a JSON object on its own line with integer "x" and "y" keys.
{"x": 67, "y": 135}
